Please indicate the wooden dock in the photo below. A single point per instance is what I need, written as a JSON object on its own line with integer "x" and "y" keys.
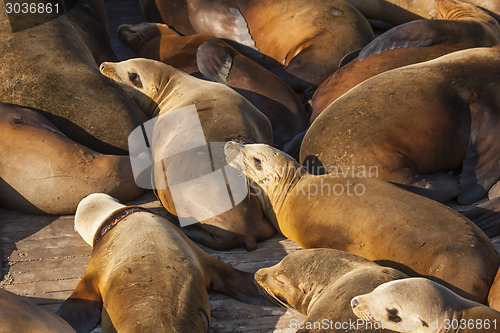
{"x": 43, "y": 258}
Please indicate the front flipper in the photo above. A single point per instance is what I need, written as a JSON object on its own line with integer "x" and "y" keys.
{"x": 82, "y": 310}
{"x": 217, "y": 238}
{"x": 414, "y": 34}
{"x": 215, "y": 59}
{"x": 487, "y": 217}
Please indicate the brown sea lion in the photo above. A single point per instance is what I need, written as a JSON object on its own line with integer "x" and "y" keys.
{"x": 416, "y": 124}
{"x": 220, "y": 62}
{"x": 495, "y": 191}
{"x": 184, "y": 163}
{"x": 463, "y": 26}
{"x": 320, "y": 284}
{"x": 20, "y": 315}
{"x": 144, "y": 275}
{"x": 421, "y": 237}
{"x": 418, "y": 305}
{"x": 45, "y": 172}
{"x": 308, "y": 37}
{"x": 52, "y": 68}
{"x": 494, "y": 295}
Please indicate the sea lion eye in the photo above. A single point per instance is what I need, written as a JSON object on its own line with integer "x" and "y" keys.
{"x": 258, "y": 163}
{"x": 132, "y": 76}
{"x": 393, "y": 315}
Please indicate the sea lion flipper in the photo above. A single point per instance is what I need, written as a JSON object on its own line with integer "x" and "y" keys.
{"x": 413, "y": 34}
{"x": 487, "y": 217}
{"x": 82, "y": 310}
{"x": 236, "y": 284}
{"x": 349, "y": 57}
{"x": 214, "y": 60}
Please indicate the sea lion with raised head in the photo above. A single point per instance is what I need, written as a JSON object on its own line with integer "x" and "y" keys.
{"x": 418, "y": 305}
{"x": 463, "y": 26}
{"x": 45, "y": 172}
{"x": 320, "y": 284}
{"x": 220, "y": 62}
{"x": 20, "y": 315}
{"x": 431, "y": 127}
{"x": 353, "y": 213}
{"x": 220, "y": 115}
{"x": 53, "y": 68}
{"x": 144, "y": 274}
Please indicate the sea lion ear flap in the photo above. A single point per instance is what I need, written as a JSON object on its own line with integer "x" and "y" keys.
{"x": 82, "y": 310}
{"x": 424, "y": 323}
{"x": 214, "y": 60}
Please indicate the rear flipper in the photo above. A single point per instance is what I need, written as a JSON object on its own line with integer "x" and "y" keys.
{"x": 215, "y": 59}
{"x": 82, "y": 310}
{"x": 236, "y": 284}
{"x": 442, "y": 187}
{"x": 217, "y": 238}
{"x": 487, "y": 217}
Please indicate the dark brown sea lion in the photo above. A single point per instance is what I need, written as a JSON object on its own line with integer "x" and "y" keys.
{"x": 45, "y": 172}
{"x": 320, "y": 284}
{"x": 20, "y": 315}
{"x": 196, "y": 118}
{"x": 416, "y": 124}
{"x": 308, "y": 37}
{"x": 52, "y": 68}
{"x": 463, "y": 26}
{"x": 220, "y": 62}
{"x": 418, "y": 305}
{"x": 144, "y": 275}
{"x": 371, "y": 218}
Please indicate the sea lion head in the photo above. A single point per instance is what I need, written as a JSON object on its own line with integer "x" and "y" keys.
{"x": 141, "y": 79}
{"x": 406, "y": 305}
{"x": 91, "y": 212}
{"x": 263, "y": 164}
{"x": 460, "y": 10}
{"x": 135, "y": 35}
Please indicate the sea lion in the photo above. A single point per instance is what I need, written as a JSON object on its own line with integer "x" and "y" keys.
{"x": 419, "y": 305}
{"x": 20, "y": 315}
{"x": 220, "y": 62}
{"x": 351, "y": 213}
{"x": 308, "y": 37}
{"x": 416, "y": 125}
{"x": 494, "y": 295}
{"x": 52, "y": 68}
{"x": 45, "y": 172}
{"x": 144, "y": 274}
{"x": 320, "y": 284}
{"x": 220, "y": 115}
{"x": 463, "y": 26}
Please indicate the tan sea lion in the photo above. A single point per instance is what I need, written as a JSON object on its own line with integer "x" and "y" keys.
{"x": 181, "y": 154}
{"x": 494, "y": 295}
{"x": 53, "y": 68}
{"x": 221, "y": 63}
{"x": 144, "y": 275}
{"x": 419, "y": 305}
{"x": 463, "y": 26}
{"x": 421, "y": 237}
{"x": 416, "y": 125}
{"x": 308, "y": 37}
{"x": 45, "y": 172}
{"x": 426, "y": 8}
{"x": 320, "y": 284}
{"x": 20, "y": 315}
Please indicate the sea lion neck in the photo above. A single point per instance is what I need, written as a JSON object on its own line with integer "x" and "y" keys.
{"x": 168, "y": 87}
{"x": 285, "y": 184}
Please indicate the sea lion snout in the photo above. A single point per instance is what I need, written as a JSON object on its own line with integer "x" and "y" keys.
{"x": 354, "y": 302}
{"x": 232, "y": 150}
{"x": 103, "y": 65}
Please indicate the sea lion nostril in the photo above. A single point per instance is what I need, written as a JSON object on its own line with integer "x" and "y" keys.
{"x": 354, "y": 302}
{"x": 102, "y": 66}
